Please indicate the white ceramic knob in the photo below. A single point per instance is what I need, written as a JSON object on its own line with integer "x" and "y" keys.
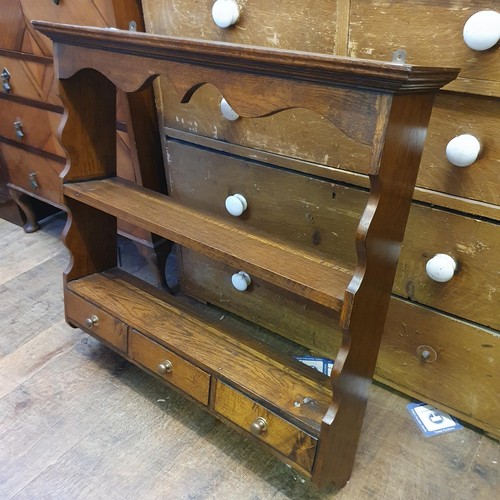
{"x": 482, "y": 30}
{"x": 225, "y": 13}
{"x": 227, "y": 111}
{"x": 463, "y": 150}
{"x": 241, "y": 281}
{"x": 441, "y": 268}
{"x": 236, "y": 204}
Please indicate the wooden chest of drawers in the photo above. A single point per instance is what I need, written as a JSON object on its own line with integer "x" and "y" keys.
{"x": 434, "y": 330}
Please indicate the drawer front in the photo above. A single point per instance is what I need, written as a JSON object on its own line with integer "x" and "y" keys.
{"x": 472, "y": 290}
{"x": 281, "y": 435}
{"x": 11, "y": 25}
{"x": 453, "y": 116}
{"x": 82, "y": 12}
{"x": 174, "y": 369}
{"x": 431, "y": 33}
{"x": 260, "y": 22}
{"x": 94, "y": 320}
{"x": 443, "y": 360}
{"x": 14, "y": 34}
{"x": 31, "y": 126}
{"x": 323, "y": 217}
{"x": 297, "y": 133}
{"x": 411, "y": 331}
{"x": 471, "y": 293}
{"x": 29, "y": 79}
{"x": 35, "y": 174}
{"x": 276, "y": 309}
{"x": 204, "y": 179}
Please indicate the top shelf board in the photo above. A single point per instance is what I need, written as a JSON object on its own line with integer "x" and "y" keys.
{"x": 323, "y": 69}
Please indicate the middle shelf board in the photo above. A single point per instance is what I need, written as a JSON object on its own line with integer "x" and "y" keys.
{"x": 279, "y": 263}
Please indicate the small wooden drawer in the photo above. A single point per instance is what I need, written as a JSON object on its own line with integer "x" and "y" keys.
{"x": 95, "y": 321}
{"x": 31, "y": 126}
{"x": 174, "y": 369}
{"x": 309, "y": 25}
{"x": 28, "y": 78}
{"x": 35, "y": 174}
{"x": 379, "y": 28}
{"x": 268, "y": 427}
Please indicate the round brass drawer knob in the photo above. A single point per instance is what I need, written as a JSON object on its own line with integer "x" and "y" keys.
{"x": 227, "y": 111}
{"x": 427, "y": 353}
{"x": 258, "y": 426}
{"x": 441, "y": 268}
{"x": 92, "y": 321}
{"x": 482, "y": 30}
{"x": 165, "y": 367}
{"x": 225, "y": 13}
{"x": 236, "y": 204}
{"x": 241, "y": 281}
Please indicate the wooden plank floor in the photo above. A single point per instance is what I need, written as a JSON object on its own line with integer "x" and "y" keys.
{"x": 77, "y": 421}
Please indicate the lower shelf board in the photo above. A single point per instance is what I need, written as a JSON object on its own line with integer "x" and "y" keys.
{"x": 238, "y": 377}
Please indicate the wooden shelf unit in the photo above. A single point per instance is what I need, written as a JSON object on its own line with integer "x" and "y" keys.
{"x": 384, "y": 105}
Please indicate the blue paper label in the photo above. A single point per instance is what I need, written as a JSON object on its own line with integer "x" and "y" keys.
{"x": 432, "y": 421}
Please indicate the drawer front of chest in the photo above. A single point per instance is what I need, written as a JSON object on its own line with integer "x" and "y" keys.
{"x": 268, "y": 427}
{"x": 464, "y": 282}
{"x": 309, "y": 25}
{"x": 310, "y": 213}
{"x": 297, "y": 133}
{"x": 171, "y": 367}
{"x": 35, "y": 174}
{"x": 432, "y": 35}
{"x": 95, "y": 321}
{"x": 31, "y": 126}
{"x": 14, "y": 34}
{"x": 21, "y": 77}
{"x": 80, "y": 12}
{"x": 444, "y": 360}
{"x": 462, "y": 151}
{"x": 267, "y": 305}
{"x": 323, "y": 217}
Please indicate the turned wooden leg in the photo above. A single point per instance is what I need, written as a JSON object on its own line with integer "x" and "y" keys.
{"x": 23, "y": 201}
{"x": 156, "y": 256}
